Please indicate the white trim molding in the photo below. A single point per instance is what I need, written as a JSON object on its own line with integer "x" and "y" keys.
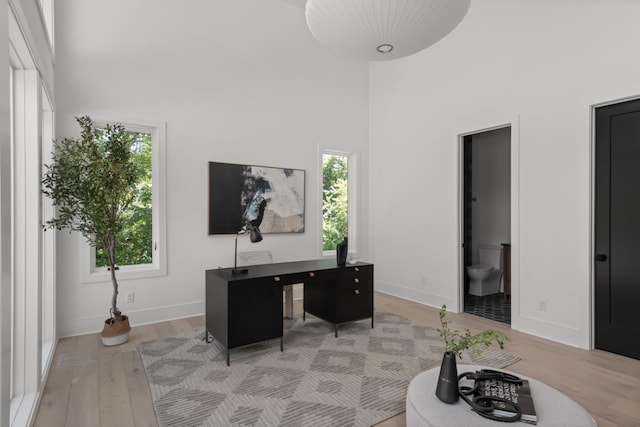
{"x": 92, "y": 274}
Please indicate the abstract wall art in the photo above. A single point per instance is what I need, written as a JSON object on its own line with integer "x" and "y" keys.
{"x": 239, "y": 194}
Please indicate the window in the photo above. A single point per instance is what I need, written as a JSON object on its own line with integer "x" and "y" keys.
{"x": 25, "y": 242}
{"x": 27, "y": 286}
{"x": 47, "y": 286}
{"x": 134, "y": 245}
{"x": 11, "y": 299}
{"x": 141, "y": 249}
{"x": 337, "y": 200}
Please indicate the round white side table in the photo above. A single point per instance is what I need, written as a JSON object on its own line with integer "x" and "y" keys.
{"x": 425, "y": 409}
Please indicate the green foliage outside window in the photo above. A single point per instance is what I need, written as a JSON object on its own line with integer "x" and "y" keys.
{"x": 135, "y": 240}
{"x": 335, "y": 219}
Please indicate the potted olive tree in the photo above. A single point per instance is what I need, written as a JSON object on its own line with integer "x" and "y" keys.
{"x": 455, "y": 344}
{"x": 91, "y": 182}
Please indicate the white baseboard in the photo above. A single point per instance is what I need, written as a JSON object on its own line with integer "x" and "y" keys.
{"x": 90, "y": 325}
{"x": 425, "y": 298}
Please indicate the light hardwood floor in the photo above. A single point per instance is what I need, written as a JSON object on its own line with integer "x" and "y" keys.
{"x": 92, "y": 385}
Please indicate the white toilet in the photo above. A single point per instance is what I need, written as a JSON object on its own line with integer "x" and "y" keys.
{"x": 485, "y": 276}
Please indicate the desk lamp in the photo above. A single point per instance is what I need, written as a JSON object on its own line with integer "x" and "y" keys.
{"x": 251, "y": 227}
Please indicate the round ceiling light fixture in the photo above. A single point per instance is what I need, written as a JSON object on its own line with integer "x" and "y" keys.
{"x": 382, "y": 29}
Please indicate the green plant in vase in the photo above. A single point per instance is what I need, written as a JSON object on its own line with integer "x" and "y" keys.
{"x": 455, "y": 344}
{"x": 91, "y": 182}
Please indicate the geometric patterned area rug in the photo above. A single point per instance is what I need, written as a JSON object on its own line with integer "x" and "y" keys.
{"x": 357, "y": 379}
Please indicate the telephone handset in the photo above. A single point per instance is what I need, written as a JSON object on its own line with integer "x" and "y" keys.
{"x": 484, "y": 405}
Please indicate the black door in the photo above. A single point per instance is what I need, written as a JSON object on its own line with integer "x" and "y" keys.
{"x": 467, "y": 207}
{"x": 617, "y": 229}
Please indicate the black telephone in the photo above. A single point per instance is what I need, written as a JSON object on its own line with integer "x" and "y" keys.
{"x": 484, "y": 405}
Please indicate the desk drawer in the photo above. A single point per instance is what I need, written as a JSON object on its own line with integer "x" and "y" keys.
{"x": 364, "y": 273}
{"x": 357, "y": 278}
{"x": 304, "y": 277}
{"x": 354, "y": 294}
{"x": 353, "y": 303}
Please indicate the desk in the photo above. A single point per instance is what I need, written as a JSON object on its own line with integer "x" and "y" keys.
{"x": 425, "y": 409}
{"x": 246, "y": 309}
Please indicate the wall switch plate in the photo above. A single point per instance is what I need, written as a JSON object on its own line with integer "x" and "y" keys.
{"x": 131, "y": 297}
{"x": 542, "y": 305}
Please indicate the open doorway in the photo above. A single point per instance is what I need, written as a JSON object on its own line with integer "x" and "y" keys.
{"x": 486, "y": 198}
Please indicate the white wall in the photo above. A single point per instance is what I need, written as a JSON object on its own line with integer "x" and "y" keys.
{"x": 243, "y": 81}
{"x": 491, "y": 189}
{"x": 235, "y": 81}
{"x": 542, "y": 63}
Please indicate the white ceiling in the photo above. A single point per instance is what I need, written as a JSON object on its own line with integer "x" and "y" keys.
{"x": 299, "y": 3}
{"x": 262, "y": 30}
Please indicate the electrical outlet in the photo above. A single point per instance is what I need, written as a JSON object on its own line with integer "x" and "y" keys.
{"x": 542, "y": 305}
{"x": 131, "y": 297}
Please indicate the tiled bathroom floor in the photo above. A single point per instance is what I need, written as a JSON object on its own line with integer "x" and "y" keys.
{"x": 494, "y": 307}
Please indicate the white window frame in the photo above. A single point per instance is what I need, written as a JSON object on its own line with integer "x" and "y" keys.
{"x": 158, "y": 267}
{"x": 26, "y": 238}
{"x": 352, "y": 197}
{"x": 48, "y": 285}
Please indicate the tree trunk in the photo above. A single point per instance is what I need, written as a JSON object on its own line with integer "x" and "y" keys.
{"x": 110, "y": 249}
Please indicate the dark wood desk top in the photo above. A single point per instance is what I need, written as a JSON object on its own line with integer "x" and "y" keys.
{"x": 282, "y": 269}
